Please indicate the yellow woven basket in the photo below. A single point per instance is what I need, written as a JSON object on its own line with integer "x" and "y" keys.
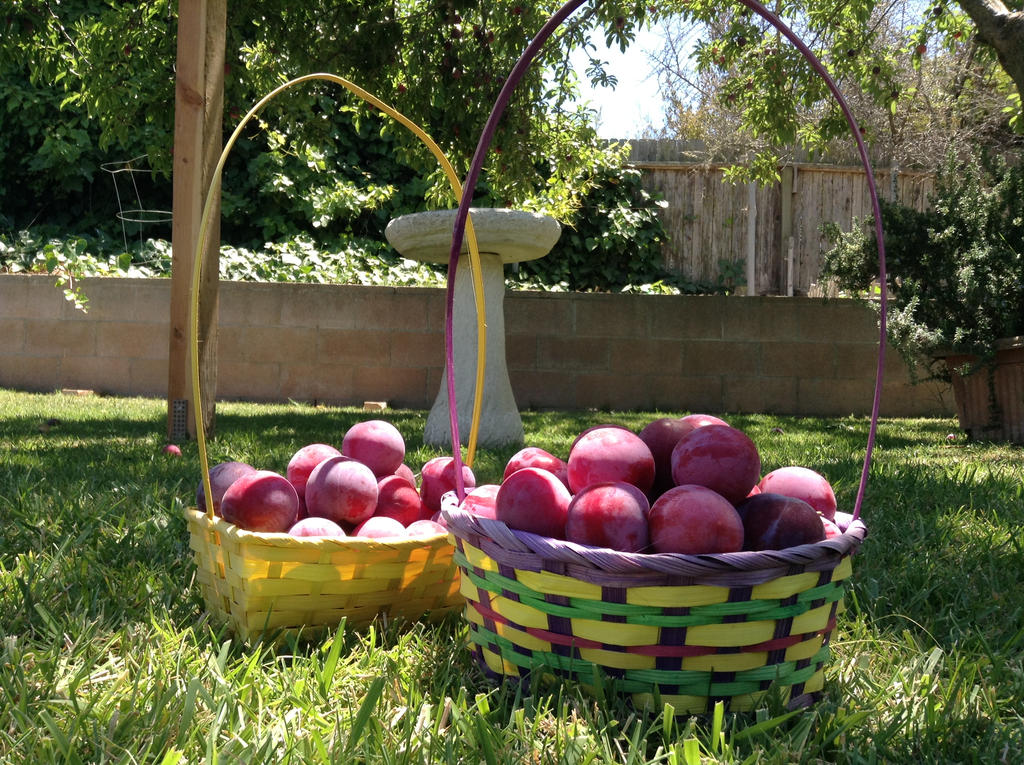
{"x": 266, "y": 585}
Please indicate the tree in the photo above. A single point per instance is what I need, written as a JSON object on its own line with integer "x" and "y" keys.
{"x": 82, "y": 81}
{"x": 915, "y": 76}
{"x": 1001, "y": 27}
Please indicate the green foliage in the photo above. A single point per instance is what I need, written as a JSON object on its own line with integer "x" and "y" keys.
{"x": 87, "y": 82}
{"x": 348, "y": 261}
{"x": 956, "y": 271}
{"x": 70, "y": 259}
{"x": 348, "y": 183}
{"x": 918, "y": 79}
{"x": 81, "y": 83}
{"x": 344, "y": 260}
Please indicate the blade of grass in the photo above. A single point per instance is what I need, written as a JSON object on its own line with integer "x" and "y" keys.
{"x": 365, "y": 712}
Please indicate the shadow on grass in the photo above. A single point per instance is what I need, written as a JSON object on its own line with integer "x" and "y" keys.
{"x": 943, "y": 555}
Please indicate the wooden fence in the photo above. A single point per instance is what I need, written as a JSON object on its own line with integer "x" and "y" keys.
{"x": 772, "y": 232}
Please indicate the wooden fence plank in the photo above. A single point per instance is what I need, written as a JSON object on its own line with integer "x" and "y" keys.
{"x": 706, "y": 217}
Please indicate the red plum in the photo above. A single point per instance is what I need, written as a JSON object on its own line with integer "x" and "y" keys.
{"x": 612, "y": 515}
{"x": 775, "y": 522}
{"x": 261, "y": 501}
{"x": 342, "y": 490}
{"x": 222, "y": 475}
{"x": 316, "y": 527}
{"x": 533, "y": 500}
{"x": 438, "y": 477}
{"x": 719, "y": 457}
{"x": 397, "y": 499}
{"x": 377, "y": 444}
{"x": 802, "y": 483}
{"x": 694, "y": 520}
{"x": 610, "y": 454}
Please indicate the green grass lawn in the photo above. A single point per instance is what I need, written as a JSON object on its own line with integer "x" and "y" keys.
{"x": 107, "y": 654}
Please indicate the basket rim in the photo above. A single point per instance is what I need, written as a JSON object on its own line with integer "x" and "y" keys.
{"x": 466, "y": 525}
{"x": 282, "y": 539}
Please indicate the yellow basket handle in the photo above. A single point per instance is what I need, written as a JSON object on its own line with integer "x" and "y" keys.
{"x": 204, "y": 224}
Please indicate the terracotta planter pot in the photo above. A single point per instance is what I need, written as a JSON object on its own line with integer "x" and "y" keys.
{"x": 990, "y": 402}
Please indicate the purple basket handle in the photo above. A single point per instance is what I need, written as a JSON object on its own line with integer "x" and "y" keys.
{"x": 473, "y": 175}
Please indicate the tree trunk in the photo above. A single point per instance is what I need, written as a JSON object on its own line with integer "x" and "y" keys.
{"x": 1002, "y": 30}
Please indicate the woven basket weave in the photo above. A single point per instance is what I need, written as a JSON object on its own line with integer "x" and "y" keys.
{"x": 694, "y": 629}
{"x": 270, "y": 584}
{"x": 689, "y": 629}
{"x": 266, "y": 585}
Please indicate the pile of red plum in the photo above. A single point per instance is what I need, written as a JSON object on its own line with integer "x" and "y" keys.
{"x": 689, "y": 485}
{"x": 364, "y": 489}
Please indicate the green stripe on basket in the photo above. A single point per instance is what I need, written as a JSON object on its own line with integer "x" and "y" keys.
{"x": 583, "y": 608}
{"x": 685, "y": 682}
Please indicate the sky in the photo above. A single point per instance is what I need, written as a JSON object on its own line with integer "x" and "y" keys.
{"x": 626, "y": 110}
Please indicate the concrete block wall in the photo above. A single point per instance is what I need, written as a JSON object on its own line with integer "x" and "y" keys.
{"x": 802, "y": 356}
{"x": 347, "y": 345}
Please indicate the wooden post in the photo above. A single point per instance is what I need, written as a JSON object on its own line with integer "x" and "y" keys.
{"x": 198, "y": 105}
{"x": 786, "y": 189}
{"x": 751, "y": 269}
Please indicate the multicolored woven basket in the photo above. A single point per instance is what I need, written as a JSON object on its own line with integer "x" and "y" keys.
{"x": 266, "y": 585}
{"x": 690, "y": 629}
{"x": 694, "y": 629}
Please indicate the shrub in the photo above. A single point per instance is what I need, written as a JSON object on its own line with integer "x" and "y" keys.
{"x": 955, "y": 271}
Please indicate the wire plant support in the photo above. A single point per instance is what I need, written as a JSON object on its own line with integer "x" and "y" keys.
{"x": 127, "y": 170}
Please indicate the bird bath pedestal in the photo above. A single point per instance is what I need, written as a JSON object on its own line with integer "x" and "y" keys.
{"x": 503, "y": 236}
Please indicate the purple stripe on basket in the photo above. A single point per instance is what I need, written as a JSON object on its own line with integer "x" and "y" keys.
{"x": 833, "y": 615}
{"x": 784, "y": 638}
{"x": 509, "y": 573}
{"x": 522, "y": 651}
{"x": 614, "y": 595}
{"x": 566, "y": 652}
{"x": 485, "y": 609}
{"x": 679, "y": 651}
{"x": 668, "y": 663}
{"x": 558, "y": 600}
{"x": 740, "y": 594}
{"x": 672, "y": 638}
{"x": 783, "y": 628}
{"x": 560, "y": 625}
